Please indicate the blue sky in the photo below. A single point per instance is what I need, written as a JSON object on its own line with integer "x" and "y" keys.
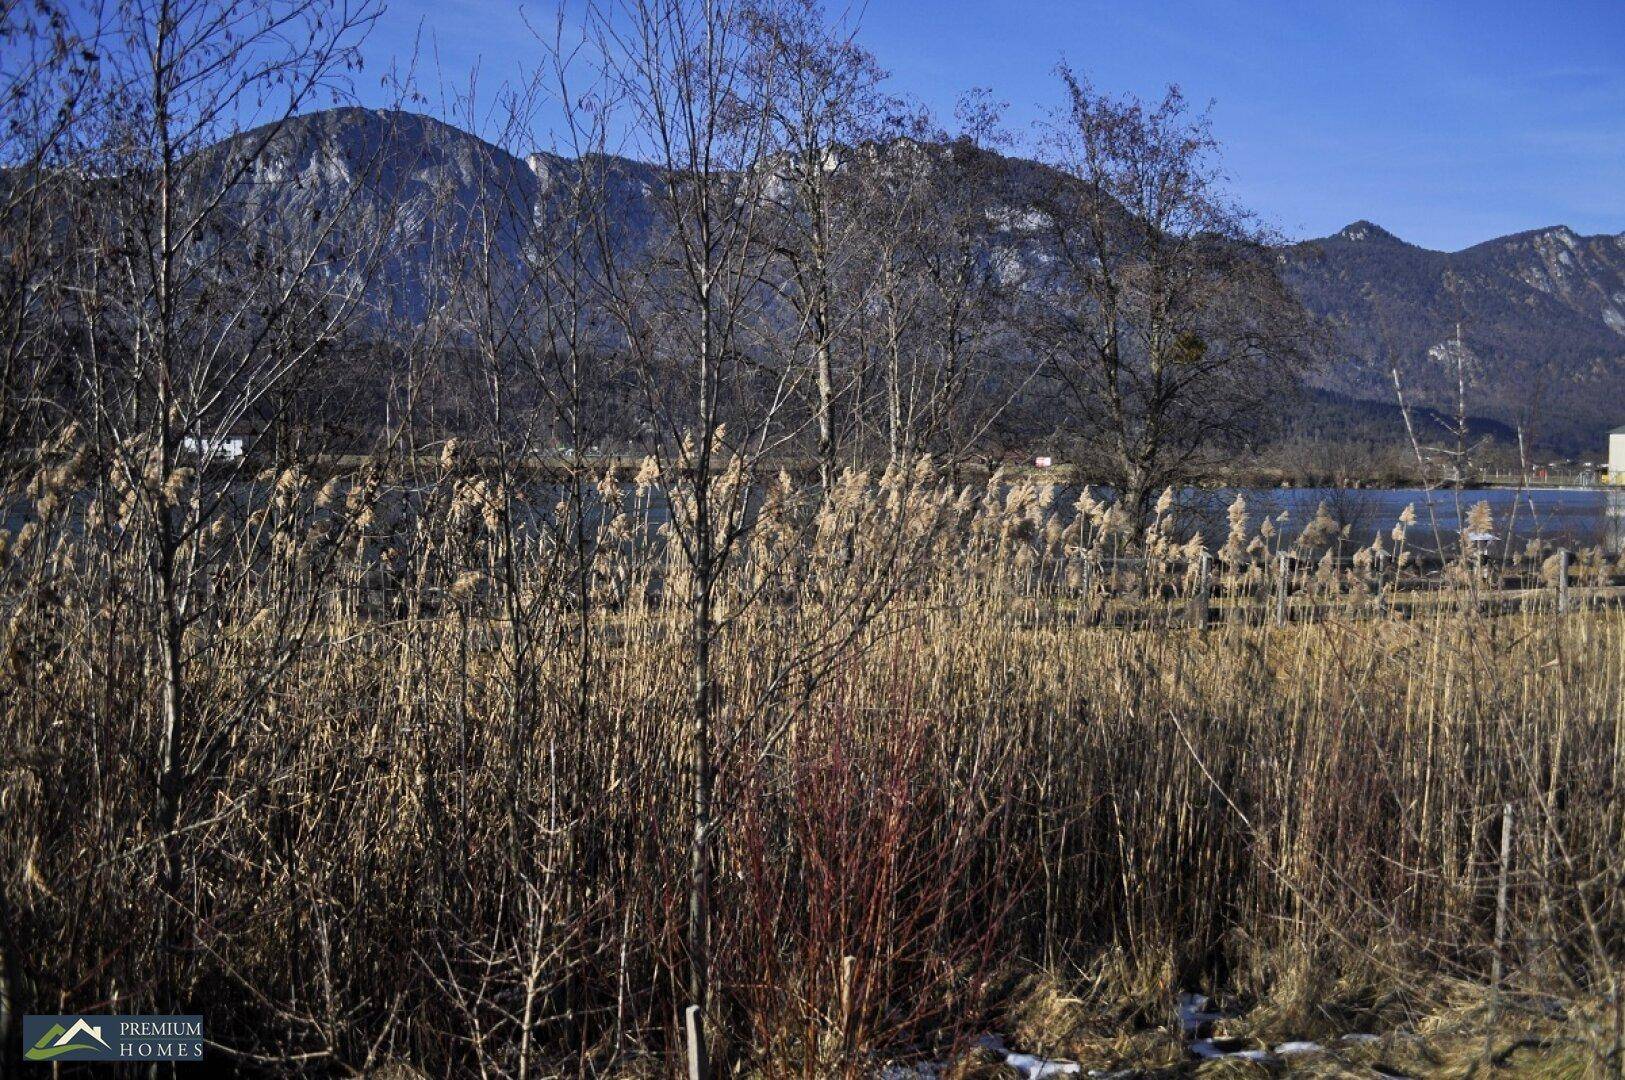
{"x": 1446, "y": 122}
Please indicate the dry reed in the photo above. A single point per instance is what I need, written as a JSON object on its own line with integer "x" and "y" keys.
{"x": 437, "y": 810}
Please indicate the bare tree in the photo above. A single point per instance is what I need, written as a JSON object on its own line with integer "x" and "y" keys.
{"x": 939, "y": 311}
{"x": 697, "y": 315}
{"x": 52, "y": 97}
{"x": 49, "y": 91}
{"x": 1162, "y": 317}
{"x": 183, "y": 331}
{"x": 688, "y": 317}
{"x": 819, "y": 93}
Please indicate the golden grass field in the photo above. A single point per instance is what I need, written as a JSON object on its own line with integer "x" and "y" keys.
{"x": 435, "y": 816}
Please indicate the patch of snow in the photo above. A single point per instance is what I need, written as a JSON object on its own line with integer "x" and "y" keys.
{"x": 1008, "y": 269}
{"x": 1288, "y": 1049}
{"x": 1447, "y": 353}
{"x": 329, "y": 167}
{"x": 1207, "y": 1050}
{"x": 923, "y": 1071}
{"x": 1193, "y": 1012}
{"x": 777, "y": 189}
{"x": 1032, "y": 1067}
{"x": 1359, "y": 1038}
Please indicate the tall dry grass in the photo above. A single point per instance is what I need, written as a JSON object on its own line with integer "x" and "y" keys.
{"x": 437, "y": 813}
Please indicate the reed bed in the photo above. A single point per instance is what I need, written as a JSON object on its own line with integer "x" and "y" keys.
{"x": 437, "y": 809}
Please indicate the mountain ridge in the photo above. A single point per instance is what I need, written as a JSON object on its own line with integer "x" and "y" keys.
{"x": 1541, "y": 311}
{"x": 1365, "y": 228}
{"x": 1540, "y": 315}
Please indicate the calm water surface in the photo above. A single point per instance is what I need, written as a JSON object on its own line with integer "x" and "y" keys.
{"x": 1570, "y": 516}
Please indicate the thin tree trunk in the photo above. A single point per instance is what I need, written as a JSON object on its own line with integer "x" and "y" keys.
{"x": 699, "y": 912}
{"x": 826, "y": 407}
{"x": 171, "y": 704}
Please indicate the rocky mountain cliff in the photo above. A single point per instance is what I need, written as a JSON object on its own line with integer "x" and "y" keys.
{"x": 1541, "y": 317}
{"x": 404, "y": 191}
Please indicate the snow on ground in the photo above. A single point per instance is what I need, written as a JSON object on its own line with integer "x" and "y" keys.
{"x": 1030, "y": 1066}
{"x": 1207, "y": 1050}
{"x": 1195, "y": 1017}
{"x": 1193, "y": 1012}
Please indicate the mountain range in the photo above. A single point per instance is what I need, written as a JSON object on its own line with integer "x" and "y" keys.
{"x": 1534, "y": 323}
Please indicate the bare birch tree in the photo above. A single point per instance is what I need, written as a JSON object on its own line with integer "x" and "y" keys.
{"x": 936, "y": 317}
{"x": 1163, "y": 319}
{"x": 688, "y": 319}
{"x": 820, "y": 95}
{"x": 184, "y": 329}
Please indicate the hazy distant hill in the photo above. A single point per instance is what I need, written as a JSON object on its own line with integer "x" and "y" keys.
{"x": 1542, "y": 313}
{"x": 1542, "y": 318}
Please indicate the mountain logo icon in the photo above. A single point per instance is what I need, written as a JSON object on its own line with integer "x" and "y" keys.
{"x": 59, "y": 1041}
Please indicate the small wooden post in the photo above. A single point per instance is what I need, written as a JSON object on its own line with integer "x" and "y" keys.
{"x": 699, "y": 1066}
{"x": 1201, "y": 606}
{"x": 1496, "y": 966}
{"x": 1087, "y": 604}
{"x": 848, "y": 970}
{"x": 1563, "y": 580}
{"x": 1280, "y": 589}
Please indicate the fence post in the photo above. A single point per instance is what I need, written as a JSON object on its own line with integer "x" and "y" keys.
{"x": 1497, "y": 967}
{"x": 1086, "y": 607}
{"x": 1379, "y": 601}
{"x": 1563, "y": 580}
{"x": 848, "y": 971}
{"x": 699, "y": 1066}
{"x": 1201, "y": 608}
{"x": 1280, "y": 589}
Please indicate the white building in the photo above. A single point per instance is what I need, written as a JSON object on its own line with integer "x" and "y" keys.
{"x": 1616, "y": 456}
{"x": 219, "y": 448}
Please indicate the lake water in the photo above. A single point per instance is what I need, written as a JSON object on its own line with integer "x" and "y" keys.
{"x": 1569, "y": 517}
{"x": 1578, "y": 517}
